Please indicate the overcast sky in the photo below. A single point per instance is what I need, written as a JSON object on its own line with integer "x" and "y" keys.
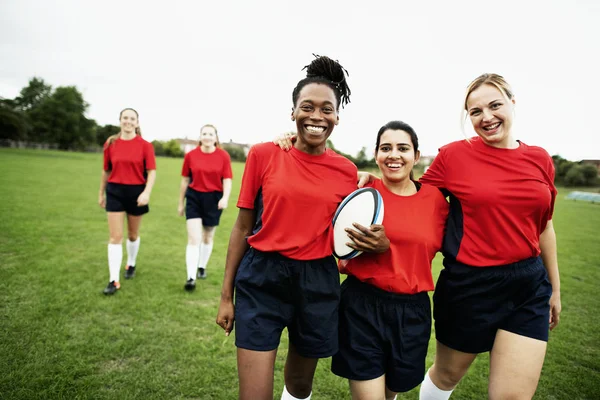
{"x": 234, "y": 64}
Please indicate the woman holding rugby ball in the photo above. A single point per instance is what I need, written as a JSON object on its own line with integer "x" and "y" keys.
{"x": 385, "y": 312}
{"x": 125, "y": 187}
{"x": 205, "y": 186}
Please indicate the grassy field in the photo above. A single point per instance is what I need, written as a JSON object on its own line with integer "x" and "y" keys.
{"x": 60, "y": 338}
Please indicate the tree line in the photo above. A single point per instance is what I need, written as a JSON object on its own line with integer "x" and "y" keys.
{"x": 56, "y": 117}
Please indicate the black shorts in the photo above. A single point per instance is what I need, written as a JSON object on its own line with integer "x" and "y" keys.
{"x": 203, "y": 205}
{"x": 273, "y": 292}
{"x": 382, "y": 333}
{"x": 472, "y": 303}
{"x": 120, "y": 197}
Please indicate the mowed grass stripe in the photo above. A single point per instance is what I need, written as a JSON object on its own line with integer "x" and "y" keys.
{"x": 61, "y": 338}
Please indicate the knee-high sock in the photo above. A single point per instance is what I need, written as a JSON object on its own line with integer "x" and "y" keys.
{"x": 205, "y": 252}
{"x": 115, "y": 257}
{"x": 132, "y": 251}
{"x": 429, "y": 391}
{"x": 192, "y": 256}
{"x": 287, "y": 396}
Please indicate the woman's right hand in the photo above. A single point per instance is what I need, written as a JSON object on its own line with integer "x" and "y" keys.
{"x": 102, "y": 200}
{"x": 226, "y": 315}
{"x": 285, "y": 141}
{"x": 180, "y": 209}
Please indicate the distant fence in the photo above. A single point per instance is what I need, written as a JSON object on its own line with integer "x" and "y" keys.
{"x": 584, "y": 196}
{"x": 18, "y": 144}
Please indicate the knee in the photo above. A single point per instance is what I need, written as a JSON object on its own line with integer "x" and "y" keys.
{"x": 299, "y": 387}
{"x": 446, "y": 377}
{"x": 115, "y": 239}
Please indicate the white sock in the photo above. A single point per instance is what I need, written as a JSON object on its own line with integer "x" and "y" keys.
{"x": 429, "y": 391}
{"x": 132, "y": 251}
{"x": 115, "y": 257}
{"x": 287, "y": 396}
{"x": 205, "y": 252}
{"x": 192, "y": 256}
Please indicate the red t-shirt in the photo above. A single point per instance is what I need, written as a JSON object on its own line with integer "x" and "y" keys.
{"x": 500, "y": 200}
{"x": 415, "y": 227}
{"x": 128, "y": 160}
{"x": 207, "y": 170}
{"x": 295, "y": 196}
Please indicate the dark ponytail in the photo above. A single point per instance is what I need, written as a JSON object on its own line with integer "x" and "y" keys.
{"x": 329, "y": 72}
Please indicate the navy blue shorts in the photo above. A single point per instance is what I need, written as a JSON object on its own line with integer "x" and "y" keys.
{"x": 382, "y": 333}
{"x": 203, "y": 205}
{"x": 273, "y": 292}
{"x": 120, "y": 197}
{"x": 472, "y": 303}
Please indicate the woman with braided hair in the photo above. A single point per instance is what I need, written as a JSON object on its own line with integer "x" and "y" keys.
{"x": 279, "y": 257}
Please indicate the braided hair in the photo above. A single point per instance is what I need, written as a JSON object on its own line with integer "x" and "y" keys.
{"x": 328, "y": 72}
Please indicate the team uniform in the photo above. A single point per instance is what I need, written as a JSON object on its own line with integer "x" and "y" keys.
{"x": 385, "y": 312}
{"x": 206, "y": 172}
{"x": 500, "y": 202}
{"x": 288, "y": 277}
{"x": 127, "y": 161}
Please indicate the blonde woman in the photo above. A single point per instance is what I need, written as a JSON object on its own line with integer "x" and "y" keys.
{"x": 125, "y": 187}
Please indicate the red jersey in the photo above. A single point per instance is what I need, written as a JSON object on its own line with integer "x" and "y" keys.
{"x": 415, "y": 227}
{"x": 128, "y": 160}
{"x": 500, "y": 200}
{"x": 295, "y": 196}
{"x": 207, "y": 170}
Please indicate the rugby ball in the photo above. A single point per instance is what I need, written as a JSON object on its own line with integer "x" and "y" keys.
{"x": 363, "y": 206}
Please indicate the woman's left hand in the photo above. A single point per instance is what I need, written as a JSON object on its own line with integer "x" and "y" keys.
{"x": 555, "y": 309}
{"x": 222, "y": 204}
{"x": 143, "y": 199}
{"x": 370, "y": 240}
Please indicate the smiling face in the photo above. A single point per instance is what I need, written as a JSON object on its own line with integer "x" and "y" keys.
{"x": 491, "y": 113}
{"x": 208, "y": 136}
{"x": 395, "y": 156}
{"x": 128, "y": 121}
{"x": 316, "y": 115}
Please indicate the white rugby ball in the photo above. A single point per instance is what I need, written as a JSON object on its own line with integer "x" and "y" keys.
{"x": 363, "y": 206}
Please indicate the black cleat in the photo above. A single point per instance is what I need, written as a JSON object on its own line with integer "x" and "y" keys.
{"x": 112, "y": 287}
{"x": 201, "y": 273}
{"x": 190, "y": 285}
{"x": 129, "y": 271}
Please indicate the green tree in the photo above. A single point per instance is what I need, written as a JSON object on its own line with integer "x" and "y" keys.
{"x": 159, "y": 148}
{"x": 33, "y": 94}
{"x": 575, "y": 176}
{"x": 104, "y": 132}
{"x": 13, "y": 124}
{"x": 172, "y": 149}
{"x": 61, "y": 119}
{"x": 590, "y": 174}
{"x": 235, "y": 152}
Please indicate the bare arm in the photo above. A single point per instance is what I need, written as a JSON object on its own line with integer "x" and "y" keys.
{"x": 103, "y": 180}
{"x": 548, "y": 248}
{"x": 185, "y": 182}
{"x": 237, "y": 247}
{"x": 144, "y": 198}
{"x": 226, "y": 193}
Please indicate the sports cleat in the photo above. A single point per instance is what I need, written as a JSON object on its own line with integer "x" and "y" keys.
{"x": 129, "y": 271}
{"x": 201, "y": 273}
{"x": 112, "y": 287}
{"x": 190, "y": 285}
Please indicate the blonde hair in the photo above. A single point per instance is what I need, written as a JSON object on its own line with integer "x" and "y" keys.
{"x": 217, "y": 143}
{"x": 138, "y": 131}
{"x": 495, "y": 80}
